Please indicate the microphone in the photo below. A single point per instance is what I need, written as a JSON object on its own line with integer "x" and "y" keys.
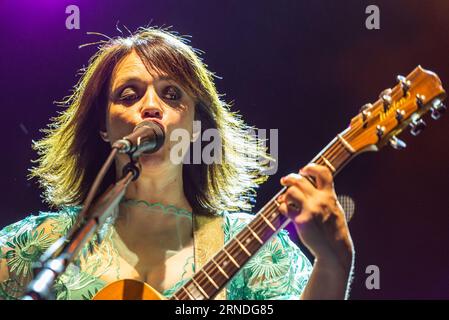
{"x": 147, "y": 137}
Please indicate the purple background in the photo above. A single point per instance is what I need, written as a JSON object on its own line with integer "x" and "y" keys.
{"x": 304, "y": 67}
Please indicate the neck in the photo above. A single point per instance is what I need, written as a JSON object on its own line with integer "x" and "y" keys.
{"x": 161, "y": 184}
{"x": 165, "y": 228}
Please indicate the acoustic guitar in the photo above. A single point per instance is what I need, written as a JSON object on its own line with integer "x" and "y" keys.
{"x": 376, "y": 125}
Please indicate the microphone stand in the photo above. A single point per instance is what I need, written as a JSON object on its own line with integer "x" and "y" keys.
{"x": 56, "y": 259}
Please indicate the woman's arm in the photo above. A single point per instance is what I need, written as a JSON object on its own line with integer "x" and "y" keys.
{"x": 328, "y": 280}
{"x": 322, "y": 227}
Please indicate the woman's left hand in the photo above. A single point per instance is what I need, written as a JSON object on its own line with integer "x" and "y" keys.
{"x": 318, "y": 216}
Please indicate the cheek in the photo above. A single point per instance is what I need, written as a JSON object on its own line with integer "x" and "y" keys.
{"x": 118, "y": 123}
{"x": 180, "y": 119}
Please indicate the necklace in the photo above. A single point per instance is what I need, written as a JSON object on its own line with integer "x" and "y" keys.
{"x": 166, "y": 209}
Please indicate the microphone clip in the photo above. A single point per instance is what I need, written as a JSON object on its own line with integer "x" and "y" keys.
{"x": 132, "y": 167}
{"x": 147, "y": 137}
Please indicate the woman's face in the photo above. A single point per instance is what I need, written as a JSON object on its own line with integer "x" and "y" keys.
{"x": 136, "y": 95}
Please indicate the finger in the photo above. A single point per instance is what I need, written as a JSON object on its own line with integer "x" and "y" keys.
{"x": 290, "y": 202}
{"x": 294, "y": 198}
{"x": 283, "y": 209}
{"x": 294, "y": 179}
{"x": 322, "y": 175}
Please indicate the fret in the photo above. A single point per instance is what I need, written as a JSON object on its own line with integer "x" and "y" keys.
{"x": 200, "y": 288}
{"x": 255, "y": 234}
{"x": 243, "y": 247}
{"x": 274, "y": 216}
{"x": 175, "y": 297}
{"x": 328, "y": 164}
{"x": 188, "y": 293}
{"x": 219, "y": 268}
{"x": 268, "y": 222}
{"x": 345, "y": 143}
{"x": 231, "y": 258}
{"x": 335, "y": 154}
{"x": 211, "y": 280}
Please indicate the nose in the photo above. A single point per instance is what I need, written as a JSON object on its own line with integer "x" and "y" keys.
{"x": 151, "y": 112}
{"x": 151, "y": 108}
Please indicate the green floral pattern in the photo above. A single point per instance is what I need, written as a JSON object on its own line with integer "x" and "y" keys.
{"x": 278, "y": 271}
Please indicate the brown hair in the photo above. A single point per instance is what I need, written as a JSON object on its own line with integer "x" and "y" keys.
{"x": 71, "y": 152}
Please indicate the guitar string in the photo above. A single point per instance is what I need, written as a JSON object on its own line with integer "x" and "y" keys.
{"x": 231, "y": 249}
{"x": 234, "y": 247}
{"x": 332, "y": 154}
{"x": 377, "y": 110}
{"x": 237, "y": 245}
{"x": 396, "y": 93}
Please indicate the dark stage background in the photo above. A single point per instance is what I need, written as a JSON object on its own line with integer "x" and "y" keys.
{"x": 303, "y": 67}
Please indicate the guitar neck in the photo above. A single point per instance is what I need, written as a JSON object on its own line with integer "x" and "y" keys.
{"x": 217, "y": 272}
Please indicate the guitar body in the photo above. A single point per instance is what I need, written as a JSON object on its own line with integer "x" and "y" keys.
{"x": 128, "y": 289}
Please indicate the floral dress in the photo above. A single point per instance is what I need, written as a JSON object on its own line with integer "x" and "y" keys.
{"x": 278, "y": 271}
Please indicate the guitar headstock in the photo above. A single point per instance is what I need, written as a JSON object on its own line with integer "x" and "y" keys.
{"x": 404, "y": 105}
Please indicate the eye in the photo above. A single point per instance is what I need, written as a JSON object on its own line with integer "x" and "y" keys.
{"x": 128, "y": 94}
{"x": 171, "y": 93}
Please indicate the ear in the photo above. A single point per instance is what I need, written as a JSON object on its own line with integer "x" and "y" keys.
{"x": 104, "y": 136}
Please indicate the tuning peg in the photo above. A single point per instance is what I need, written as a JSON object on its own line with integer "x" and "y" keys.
{"x": 397, "y": 144}
{"x": 366, "y": 113}
{"x": 400, "y": 114}
{"x": 437, "y": 109}
{"x": 365, "y": 107}
{"x": 405, "y": 84}
{"x": 420, "y": 98}
{"x": 380, "y": 130}
{"x": 385, "y": 96}
{"x": 416, "y": 126}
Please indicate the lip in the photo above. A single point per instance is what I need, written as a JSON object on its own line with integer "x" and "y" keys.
{"x": 155, "y": 120}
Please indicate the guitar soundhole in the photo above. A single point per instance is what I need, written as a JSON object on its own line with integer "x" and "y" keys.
{"x": 133, "y": 290}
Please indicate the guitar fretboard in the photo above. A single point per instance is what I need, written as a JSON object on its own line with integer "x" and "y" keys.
{"x": 217, "y": 272}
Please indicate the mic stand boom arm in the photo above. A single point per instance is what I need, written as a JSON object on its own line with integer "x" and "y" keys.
{"x": 55, "y": 261}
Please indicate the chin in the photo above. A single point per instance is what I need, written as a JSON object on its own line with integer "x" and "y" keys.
{"x": 153, "y": 159}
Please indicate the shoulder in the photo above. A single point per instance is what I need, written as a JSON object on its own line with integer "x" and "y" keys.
{"x": 44, "y": 222}
{"x": 23, "y": 242}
